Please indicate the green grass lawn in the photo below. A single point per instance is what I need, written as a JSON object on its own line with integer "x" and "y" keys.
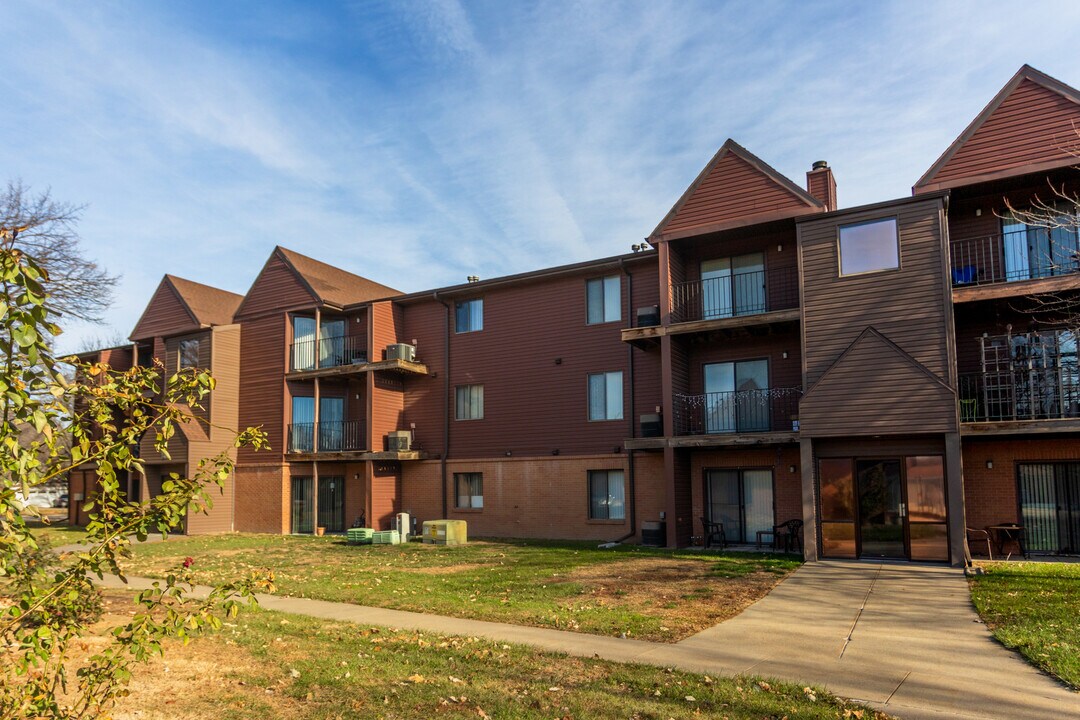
{"x": 270, "y": 665}
{"x": 644, "y": 593}
{"x": 57, "y": 533}
{"x": 1035, "y": 609}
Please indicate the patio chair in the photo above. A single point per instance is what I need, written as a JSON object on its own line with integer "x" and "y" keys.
{"x": 790, "y": 532}
{"x": 980, "y": 536}
{"x": 714, "y": 533}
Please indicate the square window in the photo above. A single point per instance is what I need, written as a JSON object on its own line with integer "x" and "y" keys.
{"x": 469, "y": 315}
{"x": 189, "y": 354}
{"x": 869, "y": 247}
{"x": 469, "y": 402}
{"x": 607, "y": 495}
{"x": 469, "y": 491}
{"x": 606, "y": 396}
{"x": 604, "y": 299}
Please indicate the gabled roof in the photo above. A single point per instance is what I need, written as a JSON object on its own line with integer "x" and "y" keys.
{"x": 735, "y": 188}
{"x": 180, "y": 305}
{"x": 208, "y": 305}
{"x": 333, "y": 285}
{"x": 1029, "y": 126}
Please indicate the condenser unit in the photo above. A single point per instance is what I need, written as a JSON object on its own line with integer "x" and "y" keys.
{"x": 401, "y": 351}
{"x": 648, "y": 316}
{"x": 399, "y": 440}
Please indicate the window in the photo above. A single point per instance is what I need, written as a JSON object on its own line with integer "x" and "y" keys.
{"x": 742, "y": 500}
{"x": 469, "y": 491}
{"x": 607, "y": 496}
{"x": 605, "y": 396}
{"x": 189, "y": 354}
{"x": 604, "y": 298}
{"x": 469, "y": 316}
{"x": 1032, "y": 251}
{"x": 469, "y": 402}
{"x": 733, "y": 286}
{"x": 869, "y": 247}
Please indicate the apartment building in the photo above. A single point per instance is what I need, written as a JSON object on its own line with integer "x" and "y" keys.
{"x": 891, "y": 374}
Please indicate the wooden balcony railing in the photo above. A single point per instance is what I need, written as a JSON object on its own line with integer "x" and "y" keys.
{"x": 1045, "y": 394}
{"x": 750, "y": 293}
{"x": 741, "y": 411}
{"x": 1014, "y": 256}
{"x": 328, "y": 352}
{"x": 329, "y": 437}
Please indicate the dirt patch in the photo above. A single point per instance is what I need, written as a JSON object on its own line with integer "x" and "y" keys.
{"x": 682, "y": 593}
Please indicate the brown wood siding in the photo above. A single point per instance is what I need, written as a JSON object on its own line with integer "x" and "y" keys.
{"x": 172, "y": 364}
{"x": 783, "y": 372}
{"x": 533, "y": 358}
{"x": 117, "y": 358}
{"x": 262, "y": 391}
{"x": 423, "y": 398}
{"x": 1033, "y": 125}
{"x": 734, "y": 189}
{"x": 276, "y": 288}
{"x": 992, "y": 200}
{"x": 647, "y": 391}
{"x": 387, "y": 389}
{"x": 164, "y": 315}
{"x": 876, "y": 391}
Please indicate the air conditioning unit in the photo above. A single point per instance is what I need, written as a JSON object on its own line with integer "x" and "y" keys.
{"x": 648, "y": 316}
{"x": 401, "y": 351}
{"x": 399, "y": 440}
{"x": 652, "y": 425}
{"x": 403, "y": 526}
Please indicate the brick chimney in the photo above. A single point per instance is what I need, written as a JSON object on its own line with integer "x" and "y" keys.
{"x": 821, "y": 184}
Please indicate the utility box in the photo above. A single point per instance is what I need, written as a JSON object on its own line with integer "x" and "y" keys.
{"x": 399, "y": 440}
{"x": 401, "y": 351}
{"x": 401, "y": 524}
{"x": 654, "y": 533}
{"x": 385, "y": 537}
{"x": 359, "y": 536}
{"x": 445, "y": 532}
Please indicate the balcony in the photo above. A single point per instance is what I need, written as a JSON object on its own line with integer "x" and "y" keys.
{"x": 341, "y": 355}
{"x": 336, "y": 437}
{"x": 735, "y": 299}
{"x": 722, "y": 418}
{"x": 1038, "y": 400}
{"x": 1037, "y": 257}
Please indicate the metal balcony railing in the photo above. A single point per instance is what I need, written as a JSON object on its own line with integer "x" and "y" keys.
{"x": 332, "y": 436}
{"x": 1014, "y": 256}
{"x": 1043, "y": 394}
{"x": 741, "y": 411}
{"x": 328, "y": 352}
{"x": 750, "y": 293}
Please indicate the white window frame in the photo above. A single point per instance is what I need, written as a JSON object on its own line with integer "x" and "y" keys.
{"x": 612, "y": 404}
{"x": 474, "y": 311}
{"x": 473, "y": 501}
{"x": 469, "y": 402}
{"x": 609, "y": 300}
{"x": 840, "y": 246}
{"x": 612, "y": 501}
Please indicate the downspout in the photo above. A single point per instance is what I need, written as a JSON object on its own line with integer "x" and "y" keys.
{"x": 446, "y": 400}
{"x": 630, "y": 362}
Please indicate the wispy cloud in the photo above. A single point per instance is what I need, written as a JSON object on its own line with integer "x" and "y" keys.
{"x": 420, "y": 142}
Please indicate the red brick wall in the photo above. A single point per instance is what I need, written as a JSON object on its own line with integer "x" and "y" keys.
{"x": 535, "y": 496}
{"x": 262, "y": 499}
{"x": 787, "y": 486}
{"x": 992, "y": 495}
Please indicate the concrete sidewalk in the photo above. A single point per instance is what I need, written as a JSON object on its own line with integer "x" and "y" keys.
{"x": 900, "y": 637}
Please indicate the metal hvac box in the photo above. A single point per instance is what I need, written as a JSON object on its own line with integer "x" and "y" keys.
{"x": 445, "y": 532}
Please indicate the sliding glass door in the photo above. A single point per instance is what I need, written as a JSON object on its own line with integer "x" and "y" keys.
{"x": 733, "y": 286}
{"x": 742, "y": 500}
{"x": 736, "y": 396}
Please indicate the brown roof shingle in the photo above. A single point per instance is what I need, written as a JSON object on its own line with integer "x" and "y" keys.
{"x": 334, "y": 285}
{"x": 209, "y": 305}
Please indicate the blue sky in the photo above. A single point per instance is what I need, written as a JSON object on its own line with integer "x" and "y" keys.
{"x": 419, "y": 142}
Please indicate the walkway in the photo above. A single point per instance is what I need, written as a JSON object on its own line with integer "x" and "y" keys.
{"x": 902, "y": 638}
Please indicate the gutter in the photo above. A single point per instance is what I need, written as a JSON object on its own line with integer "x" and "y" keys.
{"x": 446, "y": 400}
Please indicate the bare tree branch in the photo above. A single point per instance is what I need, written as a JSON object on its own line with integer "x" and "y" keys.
{"x": 45, "y": 230}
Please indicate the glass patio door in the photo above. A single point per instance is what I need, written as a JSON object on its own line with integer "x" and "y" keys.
{"x": 1037, "y": 252}
{"x": 742, "y": 500}
{"x": 331, "y": 423}
{"x": 332, "y": 343}
{"x": 302, "y": 429}
{"x": 1050, "y": 506}
{"x": 736, "y": 396}
{"x": 733, "y": 286}
{"x": 303, "y": 348}
{"x": 303, "y": 506}
{"x": 332, "y": 503}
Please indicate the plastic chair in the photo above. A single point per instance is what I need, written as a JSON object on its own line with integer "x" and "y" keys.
{"x": 714, "y": 532}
